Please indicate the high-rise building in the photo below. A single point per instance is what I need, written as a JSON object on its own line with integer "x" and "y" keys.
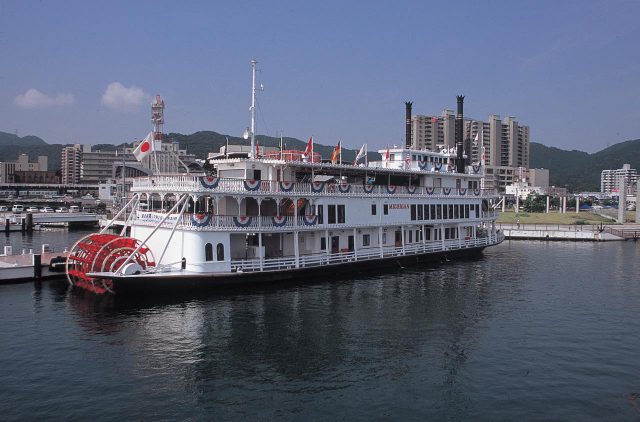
{"x": 610, "y": 179}
{"x": 505, "y": 141}
{"x": 71, "y": 164}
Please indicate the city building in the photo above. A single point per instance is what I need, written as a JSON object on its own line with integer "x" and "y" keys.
{"x": 610, "y": 179}
{"x": 505, "y": 141}
{"x": 71, "y": 163}
{"x": 44, "y": 177}
{"x": 538, "y": 177}
{"x": 8, "y": 169}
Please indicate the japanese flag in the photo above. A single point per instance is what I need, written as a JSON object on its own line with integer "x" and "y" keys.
{"x": 144, "y": 148}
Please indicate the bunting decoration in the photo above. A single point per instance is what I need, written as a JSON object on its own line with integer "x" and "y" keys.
{"x": 286, "y": 186}
{"x": 391, "y": 189}
{"x": 310, "y": 220}
{"x": 251, "y": 185}
{"x": 476, "y": 192}
{"x": 423, "y": 165}
{"x": 209, "y": 182}
{"x": 242, "y": 221}
{"x": 437, "y": 166}
{"x": 430, "y": 191}
{"x": 446, "y": 191}
{"x": 476, "y": 168}
{"x": 344, "y": 187}
{"x": 411, "y": 190}
{"x": 279, "y": 220}
{"x": 367, "y": 188}
{"x": 200, "y": 219}
{"x": 462, "y": 191}
{"x": 317, "y": 187}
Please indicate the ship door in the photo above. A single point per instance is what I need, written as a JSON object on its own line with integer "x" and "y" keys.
{"x": 350, "y": 243}
{"x": 398, "y": 238}
{"x": 257, "y": 175}
{"x": 335, "y": 244}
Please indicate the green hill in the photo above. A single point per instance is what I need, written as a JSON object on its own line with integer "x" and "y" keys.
{"x": 580, "y": 171}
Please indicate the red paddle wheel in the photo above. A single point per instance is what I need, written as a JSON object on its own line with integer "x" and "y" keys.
{"x": 104, "y": 253}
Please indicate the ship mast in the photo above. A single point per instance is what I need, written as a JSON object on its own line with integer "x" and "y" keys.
{"x": 253, "y": 107}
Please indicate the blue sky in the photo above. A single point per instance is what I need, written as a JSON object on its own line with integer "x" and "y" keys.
{"x": 84, "y": 71}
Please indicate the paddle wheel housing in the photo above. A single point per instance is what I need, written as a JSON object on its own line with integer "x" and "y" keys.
{"x": 100, "y": 252}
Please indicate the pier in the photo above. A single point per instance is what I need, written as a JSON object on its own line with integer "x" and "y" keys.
{"x": 571, "y": 232}
{"x": 28, "y": 221}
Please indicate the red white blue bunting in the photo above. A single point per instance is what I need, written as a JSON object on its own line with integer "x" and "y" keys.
{"x": 242, "y": 221}
{"x": 279, "y": 220}
{"x": 423, "y": 165}
{"x": 317, "y": 187}
{"x": 437, "y": 166}
{"x": 391, "y": 189}
{"x": 252, "y": 185}
{"x": 462, "y": 191}
{"x": 209, "y": 182}
{"x": 344, "y": 187}
{"x": 310, "y": 220}
{"x": 200, "y": 219}
{"x": 476, "y": 192}
{"x": 367, "y": 188}
{"x": 476, "y": 168}
{"x": 411, "y": 189}
{"x": 446, "y": 191}
{"x": 286, "y": 186}
{"x": 430, "y": 191}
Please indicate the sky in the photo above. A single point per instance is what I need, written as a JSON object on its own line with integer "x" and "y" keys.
{"x": 86, "y": 71}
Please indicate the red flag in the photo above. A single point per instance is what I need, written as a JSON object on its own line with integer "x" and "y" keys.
{"x": 257, "y": 149}
{"x": 387, "y": 155}
{"x": 309, "y": 150}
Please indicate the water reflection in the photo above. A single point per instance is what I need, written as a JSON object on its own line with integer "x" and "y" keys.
{"x": 323, "y": 336}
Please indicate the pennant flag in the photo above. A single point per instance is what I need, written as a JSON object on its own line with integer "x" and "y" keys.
{"x": 335, "y": 154}
{"x": 257, "y": 149}
{"x": 360, "y": 154}
{"x": 144, "y": 148}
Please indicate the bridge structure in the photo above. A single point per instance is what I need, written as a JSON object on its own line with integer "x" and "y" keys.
{"x": 16, "y": 188}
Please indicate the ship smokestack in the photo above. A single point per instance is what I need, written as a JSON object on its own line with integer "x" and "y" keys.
{"x": 459, "y": 134}
{"x": 408, "y": 105}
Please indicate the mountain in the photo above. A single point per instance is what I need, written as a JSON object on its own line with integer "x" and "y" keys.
{"x": 580, "y": 171}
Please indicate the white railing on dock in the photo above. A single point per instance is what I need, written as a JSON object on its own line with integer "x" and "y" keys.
{"x": 375, "y": 252}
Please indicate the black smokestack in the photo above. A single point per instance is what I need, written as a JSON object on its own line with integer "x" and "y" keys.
{"x": 460, "y": 134}
{"x": 408, "y": 105}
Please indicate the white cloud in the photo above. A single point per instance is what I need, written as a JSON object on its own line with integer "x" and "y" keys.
{"x": 36, "y": 99}
{"x": 119, "y": 97}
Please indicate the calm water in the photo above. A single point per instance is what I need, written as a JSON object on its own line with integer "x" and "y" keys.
{"x": 531, "y": 331}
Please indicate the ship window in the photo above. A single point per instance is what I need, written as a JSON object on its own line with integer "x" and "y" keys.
{"x": 208, "y": 252}
{"x": 341, "y": 214}
{"x": 456, "y": 214}
{"x": 426, "y": 212}
{"x": 466, "y": 211}
{"x": 323, "y": 243}
{"x": 320, "y": 214}
{"x": 439, "y": 211}
{"x": 445, "y": 212}
{"x": 450, "y": 210}
{"x": 418, "y": 237}
{"x": 419, "y": 212}
{"x": 373, "y": 209}
{"x": 413, "y": 211}
{"x": 410, "y": 236}
{"x": 366, "y": 240}
{"x": 220, "y": 252}
{"x": 332, "y": 214}
{"x": 427, "y": 234}
{"x": 386, "y": 209}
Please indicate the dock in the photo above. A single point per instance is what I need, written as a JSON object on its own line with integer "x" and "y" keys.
{"x": 570, "y": 232}
{"x": 31, "y": 266}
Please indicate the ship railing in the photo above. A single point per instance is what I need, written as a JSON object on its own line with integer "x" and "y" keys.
{"x": 366, "y": 253}
{"x": 202, "y": 184}
{"x": 212, "y": 222}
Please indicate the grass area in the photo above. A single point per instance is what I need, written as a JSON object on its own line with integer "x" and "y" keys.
{"x": 553, "y": 218}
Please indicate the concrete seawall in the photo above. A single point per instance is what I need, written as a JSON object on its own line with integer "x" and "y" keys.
{"x": 570, "y": 232}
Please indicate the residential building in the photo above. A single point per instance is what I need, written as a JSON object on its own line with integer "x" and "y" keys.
{"x": 71, "y": 163}
{"x": 610, "y": 179}
{"x": 538, "y": 177}
{"x": 505, "y": 141}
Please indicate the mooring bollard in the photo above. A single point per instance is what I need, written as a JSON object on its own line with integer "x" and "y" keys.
{"x": 7, "y": 227}
{"x": 37, "y": 266}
